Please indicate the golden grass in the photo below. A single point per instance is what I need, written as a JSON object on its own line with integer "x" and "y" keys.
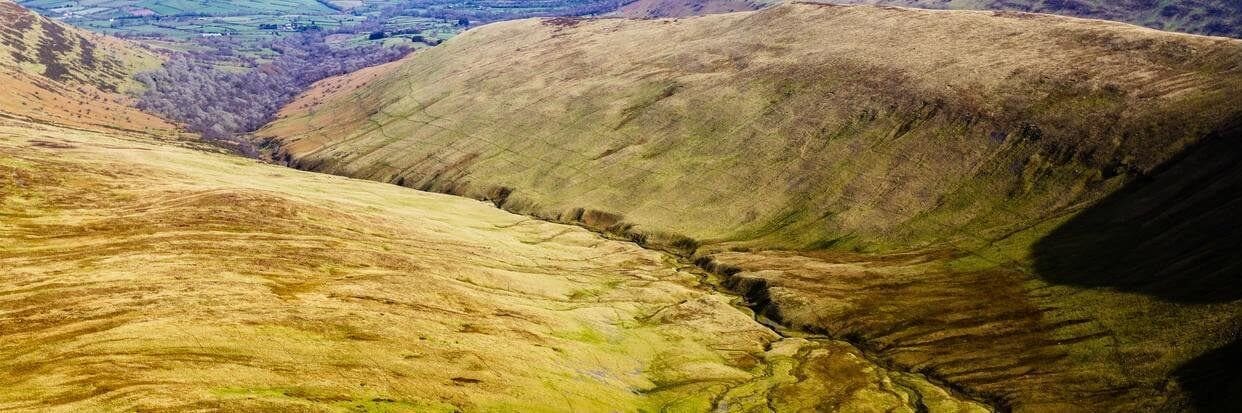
{"x": 32, "y": 43}
{"x": 1219, "y": 17}
{"x": 53, "y": 73}
{"x": 140, "y": 275}
{"x": 647, "y": 9}
{"x": 850, "y": 129}
{"x": 32, "y": 97}
{"x": 795, "y": 126}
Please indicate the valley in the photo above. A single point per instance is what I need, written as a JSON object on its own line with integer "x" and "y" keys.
{"x": 147, "y": 274}
{"x": 743, "y": 207}
{"x": 898, "y": 189}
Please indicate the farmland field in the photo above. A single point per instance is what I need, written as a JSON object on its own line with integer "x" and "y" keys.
{"x": 251, "y": 21}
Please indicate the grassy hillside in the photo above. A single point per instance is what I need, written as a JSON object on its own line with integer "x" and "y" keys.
{"x": 149, "y": 275}
{"x": 142, "y": 272}
{"x": 748, "y": 128}
{"x": 646, "y": 9}
{"x": 1210, "y": 17}
{"x": 939, "y": 175}
{"x": 55, "y": 73}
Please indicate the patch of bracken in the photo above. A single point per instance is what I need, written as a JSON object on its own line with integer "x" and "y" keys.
{"x": 561, "y": 22}
{"x": 53, "y": 46}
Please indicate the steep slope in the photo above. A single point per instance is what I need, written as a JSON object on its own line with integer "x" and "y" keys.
{"x": 1210, "y": 17}
{"x": 909, "y": 131}
{"x": 947, "y": 162}
{"x": 144, "y": 276}
{"x": 54, "y": 73}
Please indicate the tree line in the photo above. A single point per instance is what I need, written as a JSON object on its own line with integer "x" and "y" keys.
{"x": 221, "y": 104}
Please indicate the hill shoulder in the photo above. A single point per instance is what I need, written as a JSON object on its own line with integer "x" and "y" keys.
{"x": 51, "y": 72}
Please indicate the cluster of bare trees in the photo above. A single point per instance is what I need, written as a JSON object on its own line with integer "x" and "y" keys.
{"x": 470, "y": 11}
{"x": 220, "y": 104}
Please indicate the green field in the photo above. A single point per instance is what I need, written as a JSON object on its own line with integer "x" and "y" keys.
{"x": 241, "y": 26}
{"x": 120, "y": 8}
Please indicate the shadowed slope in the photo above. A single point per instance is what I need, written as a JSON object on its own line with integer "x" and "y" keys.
{"x": 1213, "y": 379}
{"x": 1175, "y": 234}
{"x": 1022, "y": 342}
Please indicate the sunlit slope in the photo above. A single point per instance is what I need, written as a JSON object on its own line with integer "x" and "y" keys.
{"x": 51, "y": 72}
{"x": 1210, "y": 17}
{"x": 795, "y": 126}
{"x": 646, "y": 9}
{"x": 1058, "y": 191}
{"x": 139, "y": 275}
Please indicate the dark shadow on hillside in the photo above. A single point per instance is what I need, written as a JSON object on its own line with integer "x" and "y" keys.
{"x": 1175, "y": 234}
{"x": 1212, "y": 379}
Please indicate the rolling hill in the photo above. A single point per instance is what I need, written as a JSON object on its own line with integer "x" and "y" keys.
{"x": 1210, "y": 17}
{"x": 55, "y": 73}
{"x": 144, "y": 274}
{"x": 769, "y": 137}
{"x": 1032, "y": 209}
{"x": 147, "y": 271}
{"x": 647, "y": 9}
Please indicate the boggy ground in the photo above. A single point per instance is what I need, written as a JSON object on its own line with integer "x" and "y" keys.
{"x": 147, "y": 275}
